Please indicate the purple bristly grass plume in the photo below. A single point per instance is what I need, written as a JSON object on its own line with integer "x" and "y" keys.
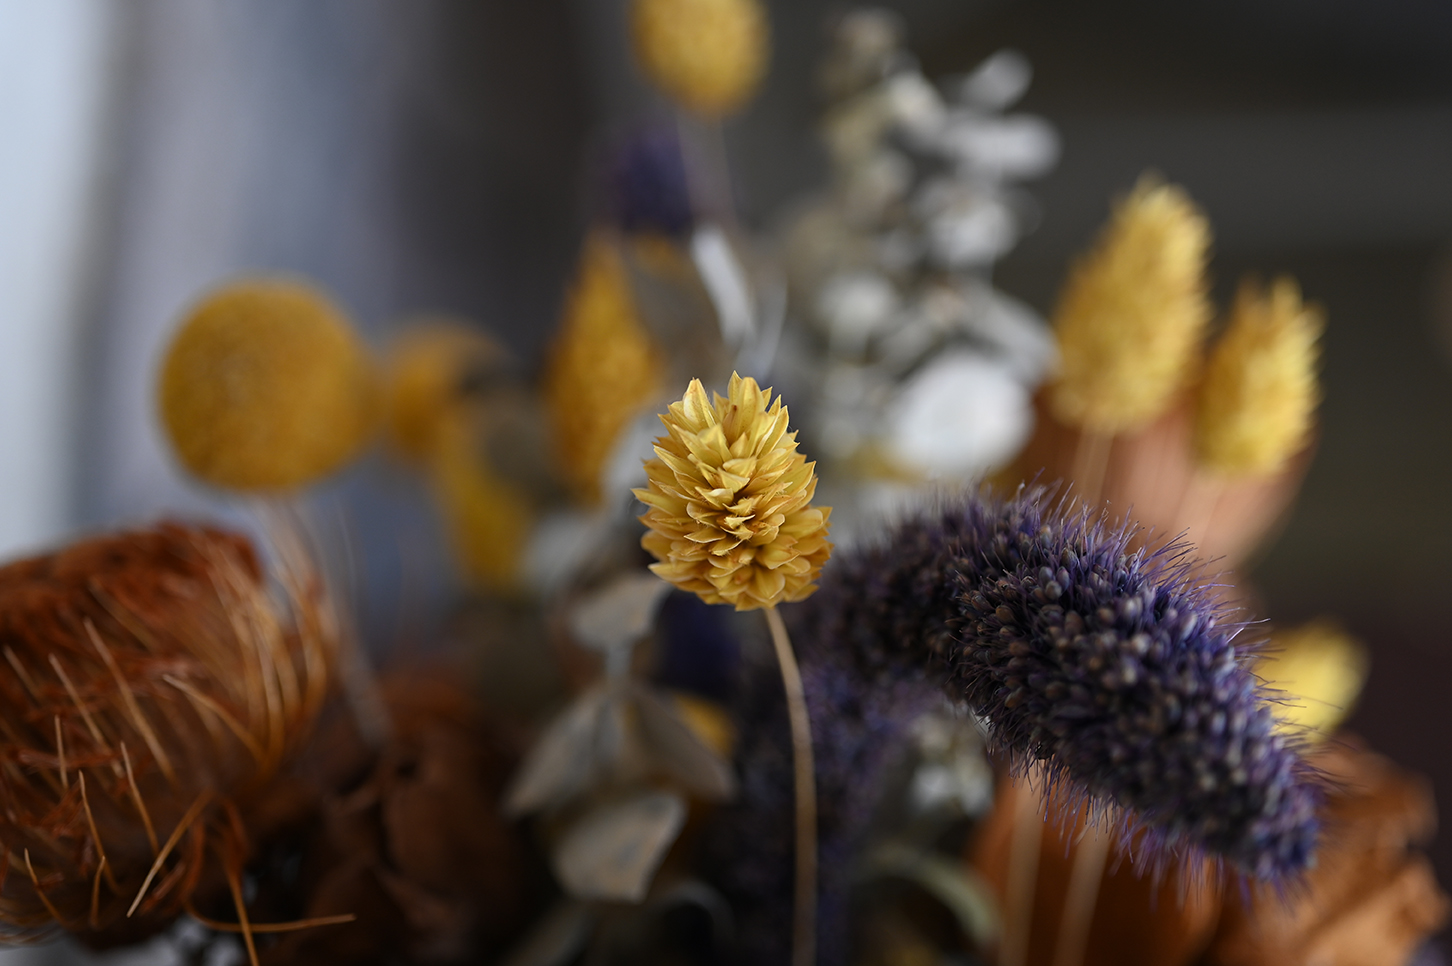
{"x": 1114, "y": 667}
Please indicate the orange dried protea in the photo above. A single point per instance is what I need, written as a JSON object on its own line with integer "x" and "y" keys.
{"x": 151, "y": 687}
{"x": 731, "y": 516}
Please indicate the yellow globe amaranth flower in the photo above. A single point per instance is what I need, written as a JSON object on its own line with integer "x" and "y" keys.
{"x": 1259, "y": 395}
{"x": 1320, "y": 669}
{"x": 1132, "y": 315}
{"x": 427, "y": 366}
{"x": 266, "y": 386}
{"x": 730, "y": 501}
{"x": 602, "y": 370}
{"x": 709, "y": 55}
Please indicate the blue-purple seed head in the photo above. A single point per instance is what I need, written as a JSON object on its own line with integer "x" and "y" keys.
{"x": 648, "y": 186}
{"x": 1119, "y": 670}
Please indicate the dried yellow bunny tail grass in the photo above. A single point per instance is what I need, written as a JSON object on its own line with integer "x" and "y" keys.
{"x": 266, "y": 386}
{"x": 1321, "y": 669}
{"x": 709, "y": 55}
{"x": 602, "y": 370}
{"x": 1259, "y": 395}
{"x": 731, "y": 516}
{"x": 1131, "y": 317}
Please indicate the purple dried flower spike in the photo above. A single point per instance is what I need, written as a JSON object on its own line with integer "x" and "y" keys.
{"x": 1114, "y": 667}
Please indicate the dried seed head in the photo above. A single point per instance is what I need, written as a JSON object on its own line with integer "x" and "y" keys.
{"x": 1259, "y": 395}
{"x": 1132, "y": 314}
{"x": 266, "y": 386}
{"x": 709, "y": 55}
{"x": 602, "y": 369}
{"x": 150, "y": 689}
{"x": 731, "y": 516}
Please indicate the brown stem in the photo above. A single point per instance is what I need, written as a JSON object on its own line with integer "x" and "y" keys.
{"x": 804, "y": 921}
{"x": 1091, "y": 461}
{"x": 1085, "y": 876}
{"x": 1023, "y": 874}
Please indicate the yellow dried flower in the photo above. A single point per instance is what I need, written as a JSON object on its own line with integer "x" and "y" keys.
{"x": 488, "y": 518}
{"x": 602, "y": 369}
{"x": 427, "y": 367}
{"x": 709, "y": 55}
{"x": 1260, "y": 392}
{"x": 266, "y": 386}
{"x": 730, "y": 513}
{"x": 1131, "y": 317}
{"x": 1321, "y": 669}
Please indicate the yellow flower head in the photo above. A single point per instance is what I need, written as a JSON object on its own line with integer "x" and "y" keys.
{"x": 1131, "y": 317}
{"x": 707, "y": 54}
{"x": 1321, "y": 669}
{"x": 488, "y": 518}
{"x": 427, "y": 367}
{"x": 731, "y": 516}
{"x": 1259, "y": 395}
{"x": 602, "y": 369}
{"x": 266, "y": 386}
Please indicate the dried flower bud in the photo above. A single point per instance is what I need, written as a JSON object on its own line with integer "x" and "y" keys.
{"x": 265, "y": 386}
{"x": 602, "y": 369}
{"x": 1259, "y": 395}
{"x": 1131, "y": 316}
{"x": 1115, "y": 667}
{"x": 709, "y": 55}
{"x": 430, "y": 367}
{"x": 731, "y": 516}
{"x": 151, "y": 689}
{"x": 1320, "y": 669}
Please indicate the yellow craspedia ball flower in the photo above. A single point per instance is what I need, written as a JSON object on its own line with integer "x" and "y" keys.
{"x": 731, "y": 516}
{"x": 266, "y": 386}
{"x": 602, "y": 369}
{"x": 427, "y": 366}
{"x": 1132, "y": 315}
{"x": 1258, "y": 398}
{"x": 709, "y": 55}
{"x": 1320, "y": 668}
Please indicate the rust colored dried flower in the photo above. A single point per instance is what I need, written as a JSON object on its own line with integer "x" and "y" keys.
{"x": 1259, "y": 395}
{"x": 731, "y": 516}
{"x": 1132, "y": 314}
{"x": 266, "y": 386}
{"x": 709, "y": 55}
{"x": 603, "y": 368}
{"x": 151, "y": 687}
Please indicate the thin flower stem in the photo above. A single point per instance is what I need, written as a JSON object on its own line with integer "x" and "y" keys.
{"x": 1085, "y": 876}
{"x": 1091, "y": 461}
{"x": 804, "y": 922}
{"x": 1023, "y": 874}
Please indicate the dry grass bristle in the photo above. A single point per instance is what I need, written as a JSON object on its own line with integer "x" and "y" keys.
{"x": 154, "y": 682}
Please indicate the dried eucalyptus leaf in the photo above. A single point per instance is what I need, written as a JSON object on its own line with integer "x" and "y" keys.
{"x": 612, "y": 853}
{"x": 949, "y": 881}
{"x": 673, "y": 746}
{"x": 562, "y": 760}
{"x": 556, "y": 939}
{"x": 619, "y": 614}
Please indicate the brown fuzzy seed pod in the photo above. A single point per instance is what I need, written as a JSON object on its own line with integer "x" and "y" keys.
{"x": 151, "y": 684}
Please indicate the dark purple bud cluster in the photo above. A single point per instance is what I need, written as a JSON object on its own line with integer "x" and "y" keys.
{"x": 1119, "y": 670}
{"x": 647, "y": 185}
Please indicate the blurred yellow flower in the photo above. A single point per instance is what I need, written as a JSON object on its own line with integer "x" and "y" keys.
{"x": 729, "y": 499}
{"x": 427, "y": 367}
{"x": 1131, "y": 317}
{"x": 1259, "y": 395}
{"x": 709, "y": 55}
{"x": 1320, "y": 668}
{"x": 266, "y": 386}
{"x": 602, "y": 369}
{"x": 488, "y": 519}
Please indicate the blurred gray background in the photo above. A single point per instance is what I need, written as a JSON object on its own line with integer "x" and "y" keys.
{"x": 436, "y": 156}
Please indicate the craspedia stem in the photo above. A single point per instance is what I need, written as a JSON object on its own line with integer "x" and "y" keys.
{"x": 804, "y": 917}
